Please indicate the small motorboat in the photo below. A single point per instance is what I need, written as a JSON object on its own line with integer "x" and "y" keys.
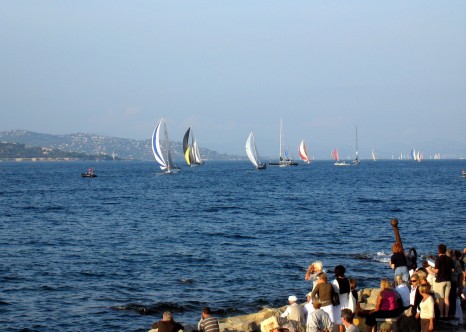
{"x": 463, "y": 173}
{"x": 89, "y": 174}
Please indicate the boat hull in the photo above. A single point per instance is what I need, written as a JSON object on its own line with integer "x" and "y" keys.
{"x": 85, "y": 175}
{"x": 283, "y": 163}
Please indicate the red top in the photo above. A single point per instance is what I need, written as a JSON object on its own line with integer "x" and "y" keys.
{"x": 388, "y": 301}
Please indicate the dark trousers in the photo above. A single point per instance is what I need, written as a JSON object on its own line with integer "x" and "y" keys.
{"x": 370, "y": 319}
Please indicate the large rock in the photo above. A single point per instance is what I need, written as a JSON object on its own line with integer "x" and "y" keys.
{"x": 247, "y": 323}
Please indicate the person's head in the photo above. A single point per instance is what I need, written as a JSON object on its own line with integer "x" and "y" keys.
{"x": 442, "y": 249}
{"x": 321, "y": 276}
{"x": 347, "y": 315}
{"x": 425, "y": 264}
{"x": 397, "y": 248}
{"x": 353, "y": 283}
{"x": 414, "y": 280}
{"x": 292, "y": 299}
{"x": 424, "y": 289}
{"x": 458, "y": 254}
{"x": 279, "y": 329}
{"x": 167, "y": 316}
{"x": 316, "y": 304}
{"x": 399, "y": 280}
{"x": 386, "y": 327}
{"x": 308, "y": 297}
{"x": 384, "y": 284}
{"x": 340, "y": 271}
{"x": 422, "y": 275}
{"x": 451, "y": 253}
{"x": 206, "y": 312}
{"x": 318, "y": 266}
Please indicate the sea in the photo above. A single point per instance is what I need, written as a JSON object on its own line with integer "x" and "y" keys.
{"x": 112, "y": 253}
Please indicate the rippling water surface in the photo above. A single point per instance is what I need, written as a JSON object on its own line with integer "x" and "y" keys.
{"x": 113, "y": 252}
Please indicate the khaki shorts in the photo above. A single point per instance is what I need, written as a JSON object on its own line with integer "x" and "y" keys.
{"x": 442, "y": 289}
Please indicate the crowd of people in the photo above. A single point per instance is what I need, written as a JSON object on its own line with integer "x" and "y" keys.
{"x": 427, "y": 294}
{"x": 432, "y": 293}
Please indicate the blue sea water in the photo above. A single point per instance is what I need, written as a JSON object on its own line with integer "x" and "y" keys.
{"x": 113, "y": 252}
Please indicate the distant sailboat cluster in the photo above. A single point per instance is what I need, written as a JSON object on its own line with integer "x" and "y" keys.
{"x": 162, "y": 153}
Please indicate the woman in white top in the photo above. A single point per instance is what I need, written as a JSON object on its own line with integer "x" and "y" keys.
{"x": 426, "y": 307}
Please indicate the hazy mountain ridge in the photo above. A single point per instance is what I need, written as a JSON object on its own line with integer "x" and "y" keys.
{"x": 91, "y": 144}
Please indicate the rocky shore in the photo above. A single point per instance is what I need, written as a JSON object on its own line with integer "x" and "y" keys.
{"x": 263, "y": 320}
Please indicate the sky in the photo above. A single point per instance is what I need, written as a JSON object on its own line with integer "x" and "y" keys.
{"x": 395, "y": 69}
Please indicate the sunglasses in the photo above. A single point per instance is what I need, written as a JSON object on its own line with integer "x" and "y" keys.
{"x": 413, "y": 280}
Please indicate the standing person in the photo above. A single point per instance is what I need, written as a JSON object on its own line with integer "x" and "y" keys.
{"x": 455, "y": 282}
{"x": 294, "y": 313}
{"x": 403, "y": 291}
{"x": 347, "y": 319}
{"x": 319, "y": 320}
{"x": 207, "y": 322}
{"x": 442, "y": 284}
{"x": 308, "y": 308}
{"x": 385, "y": 305}
{"x": 426, "y": 306}
{"x": 342, "y": 286}
{"x": 167, "y": 324}
{"x": 312, "y": 271}
{"x": 415, "y": 298}
{"x": 398, "y": 261}
{"x": 323, "y": 291}
{"x": 354, "y": 302}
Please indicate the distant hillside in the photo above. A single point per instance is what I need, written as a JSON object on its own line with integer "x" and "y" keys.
{"x": 18, "y": 151}
{"x": 96, "y": 145}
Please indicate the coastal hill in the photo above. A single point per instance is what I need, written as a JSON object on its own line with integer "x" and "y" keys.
{"x": 89, "y": 146}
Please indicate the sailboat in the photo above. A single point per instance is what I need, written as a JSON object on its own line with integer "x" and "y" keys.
{"x": 373, "y": 155}
{"x": 416, "y": 155}
{"x": 356, "y": 159}
{"x": 251, "y": 152}
{"x": 336, "y": 157}
{"x": 303, "y": 152}
{"x": 163, "y": 155}
{"x": 191, "y": 151}
{"x": 284, "y": 159}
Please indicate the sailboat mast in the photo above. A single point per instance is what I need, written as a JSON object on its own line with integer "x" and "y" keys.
{"x": 167, "y": 146}
{"x": 357, "y": 150}
{"x": 281, "y": 134}
{"x": 256, "y": 154}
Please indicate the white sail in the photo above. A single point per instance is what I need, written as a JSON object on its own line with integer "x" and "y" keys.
{"x": 373, "y": 155}
{"x": 250, "y": 150}
{"x": 196, "y": 153}
{"x": 166, "y": 163}
{"x": 252, "y": 153}
{"x": 156, "y": 147}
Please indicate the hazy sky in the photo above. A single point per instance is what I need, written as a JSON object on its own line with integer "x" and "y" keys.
{"x": 396, "y": 69}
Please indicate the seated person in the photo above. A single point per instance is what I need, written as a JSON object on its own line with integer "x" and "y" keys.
{"x": 385, "y": 306}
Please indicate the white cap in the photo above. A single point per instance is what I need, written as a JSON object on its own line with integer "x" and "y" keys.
{"x": 292, "y": 298}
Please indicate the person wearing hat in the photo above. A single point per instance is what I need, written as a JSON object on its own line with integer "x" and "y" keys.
{"x": 294, "y": 312}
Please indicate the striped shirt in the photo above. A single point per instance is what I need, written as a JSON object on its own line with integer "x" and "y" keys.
{"x": 209, "y": 324}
